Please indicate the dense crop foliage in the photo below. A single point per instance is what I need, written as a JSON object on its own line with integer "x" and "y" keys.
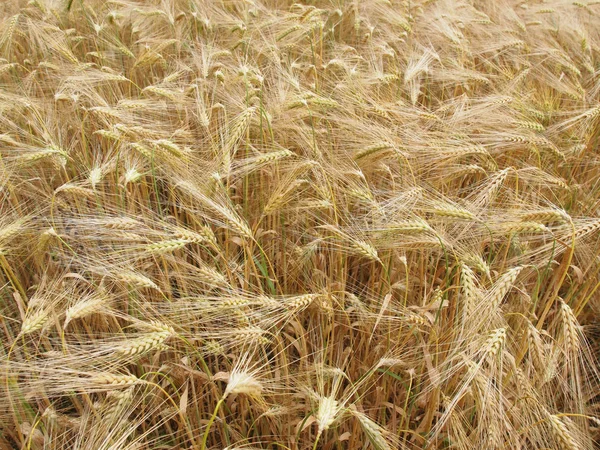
{"x": 332, "y": 224}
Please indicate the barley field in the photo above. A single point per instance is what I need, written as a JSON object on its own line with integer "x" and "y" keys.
{"x": 279, "y": 225}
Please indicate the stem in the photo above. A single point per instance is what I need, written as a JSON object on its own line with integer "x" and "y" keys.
{"x": 210, "y": 422}
{"x": 14, "y": 281}
{"x": 316, "y": 441}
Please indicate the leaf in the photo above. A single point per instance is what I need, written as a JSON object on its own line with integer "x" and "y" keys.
{"x": 384, "y": 305}
{"x": 220, "y": 376}
{"x": 345, "y": 436}
{"x": 183, "y": 401}
{"x": 578, "y": 273}
{"x": 303, "y": 425}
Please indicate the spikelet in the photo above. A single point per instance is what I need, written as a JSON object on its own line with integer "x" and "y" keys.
{"x": 453, "y": 211}
{"x": 470, "y": 169}
{"x": 592, "y": 113}
{"x": 115, "y": 77}
{"x": 557, "y": 182}
{"x": 112, "y": 134}
{"x": 143, "y": 150}
{"x": 95, "y": 176}
{"x": 390, "y": 362}
{"x": 135, "y": 132}
{"x": 503, "y": 285}
{"x": 74, "y": 189}
{"x": 233, "y": 220}
{"x": 34, "y": 322}
{"x": 464, "y": 151}
{"x": 428, "y": 115}
{"x": 547, "y": 215}
{"x": 242, "y": 382}
{"x": 273, "y": 156}
{"x": 327, "y": 412}
{"x": 562, "y": 433}
{"x": 106, "y": 113}
{"x": 373, "y": 149}
{"x": 267, "y": 302}
{"x": 9, "y": 231}
{"x": 409, "y": 226}
{"x": 171, "y": 147}
{"x": 236, "y": 302}
{"x": 42, "y": 154}
{"x": 131, "y": 104}
{"x": 211, "y": 276}
{"x": 288, "y": 31}
{"x": 7, "y": 139}
{"x": 524, "y": 227}
{"x": 251, "y": 334}
{"x": 127, "y": 236}
{"x": 6, "y": 38}
{"x": 6, "y": 67}
{"x": 494, "y": 343}
{"x": 375, "y": 433}
{"x": 145, "y": 343}
{"x": 204, "y": 234}
{"x": 475, "y": 261}
{"x": 588, "y": 228}
{"x": 166, "y": 246}
{"x": 530, "y": 125}
{"x": 282, "y": 196}
{"x": 84, "y": 308}
{"x": 237, "y": 129}
{"x": 115, "y": 380}
{"x": 301, "y": 302}
{"x": 415, "y": 319}
{"x": 121, "y": 223}
{"x": 570, "y": 328}
{"x": 250, "y": 164}
{"x": 213, "y": 347}
{"x": 535, "y": 346}
{"x": 137, "y": 279}
{"x": 120, "y": 399}
{"x": 467, "y": 281}
{"x": 46, "y": 237}
{"x": 363, "y": 193}
{"x": 163, "y": 92}
{"x": 488, "y": 194}
{"x": 364, "y": 249}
